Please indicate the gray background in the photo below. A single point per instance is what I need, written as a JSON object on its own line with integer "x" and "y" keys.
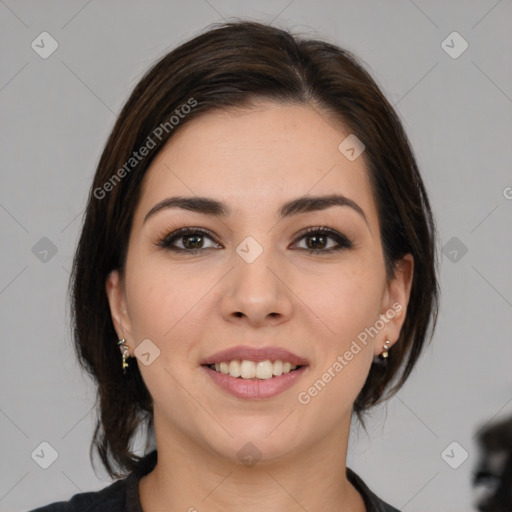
{"x": 56, "y": 115}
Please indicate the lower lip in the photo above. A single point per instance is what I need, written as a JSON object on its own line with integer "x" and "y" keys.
{"x": 255, "y": 388}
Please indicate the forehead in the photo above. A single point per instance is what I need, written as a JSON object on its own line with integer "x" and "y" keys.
{"x": 256, "y": 158}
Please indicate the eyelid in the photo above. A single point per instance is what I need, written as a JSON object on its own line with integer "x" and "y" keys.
{"x": 164, "y": 239}
{"x": 343, "y": 241}
{"x": 168, "y": 236}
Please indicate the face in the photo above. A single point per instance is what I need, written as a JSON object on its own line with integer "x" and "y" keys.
{"x": 311, "y": 282}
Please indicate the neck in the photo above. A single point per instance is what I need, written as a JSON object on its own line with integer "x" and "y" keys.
{"x": 189, "y": 477}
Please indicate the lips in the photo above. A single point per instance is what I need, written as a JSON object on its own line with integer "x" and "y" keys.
{"x": 255, "y": 389}
{"x": 241, "y": 352}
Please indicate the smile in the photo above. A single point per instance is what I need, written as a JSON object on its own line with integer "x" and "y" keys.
{"x": 254, "y": 380}
{"x": 246, "y": 369}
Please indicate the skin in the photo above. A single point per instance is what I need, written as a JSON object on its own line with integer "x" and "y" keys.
{"x": 314, "y": 305}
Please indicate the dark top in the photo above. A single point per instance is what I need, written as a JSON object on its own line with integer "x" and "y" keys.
{"x": 123, "y": 495}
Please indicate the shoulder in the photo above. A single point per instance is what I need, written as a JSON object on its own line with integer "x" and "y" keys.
{"x": 371, "y": 500}
{"x": 120, "y": 496}
{"x": 111, "y": 499}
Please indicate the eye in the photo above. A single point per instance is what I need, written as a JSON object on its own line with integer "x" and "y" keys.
{"x": 191, "y": 239}
{"x": 317, "y": 240}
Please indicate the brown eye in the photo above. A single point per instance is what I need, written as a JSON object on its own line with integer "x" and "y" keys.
{"x": 317, "y": 240}
{"x": 191, "y": 240}
{"x": 194, "y": 241}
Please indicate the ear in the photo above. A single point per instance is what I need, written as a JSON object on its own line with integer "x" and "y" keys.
{"x": 114, "y": 287}
{"x": 394, "y": 303}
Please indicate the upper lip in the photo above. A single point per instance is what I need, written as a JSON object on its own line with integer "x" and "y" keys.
{"x": 241, "y": 352}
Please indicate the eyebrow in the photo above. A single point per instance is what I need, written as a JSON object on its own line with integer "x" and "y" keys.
{"x": 209, "y": 206}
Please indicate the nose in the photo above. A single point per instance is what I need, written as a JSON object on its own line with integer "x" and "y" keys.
{"x": 257, "y": 293}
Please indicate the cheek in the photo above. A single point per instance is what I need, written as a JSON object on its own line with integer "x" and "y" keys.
{"x": 347, "y": 300}
{"x": 145, "y": 304}
{"x": 347, "y": 306}
{"x": 164, "y": 307}
{"x": 169, "y": 305}
{"x": 158, "y": 296}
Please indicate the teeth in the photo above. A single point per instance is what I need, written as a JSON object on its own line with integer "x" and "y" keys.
{"x": 247, "y": 370}
{"x": 234, "y": 369}
{"x": 251, "y": 369}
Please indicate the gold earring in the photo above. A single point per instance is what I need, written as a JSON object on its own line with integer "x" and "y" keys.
{"x": 125, "y": 352}
{"x": 385, "y": 353}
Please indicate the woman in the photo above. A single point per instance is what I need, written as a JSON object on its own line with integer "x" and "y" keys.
{"x": 259, "y": 247}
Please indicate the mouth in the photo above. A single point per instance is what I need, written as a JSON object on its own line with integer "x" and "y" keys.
{"x": 250, "y": 380}
{"x": 255, "y": 373}
{"x": 254, "y": 370}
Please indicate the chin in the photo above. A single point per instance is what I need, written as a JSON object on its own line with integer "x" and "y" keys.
{"x": 258, "y": 448}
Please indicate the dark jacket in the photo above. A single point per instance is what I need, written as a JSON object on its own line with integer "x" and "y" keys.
{"x": 123, "y": 495}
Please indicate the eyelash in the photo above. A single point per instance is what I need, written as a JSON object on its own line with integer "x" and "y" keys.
{"x": 342, "y": 241}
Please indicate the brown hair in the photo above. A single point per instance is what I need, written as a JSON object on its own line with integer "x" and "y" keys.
{"x": 229, "y": 66}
